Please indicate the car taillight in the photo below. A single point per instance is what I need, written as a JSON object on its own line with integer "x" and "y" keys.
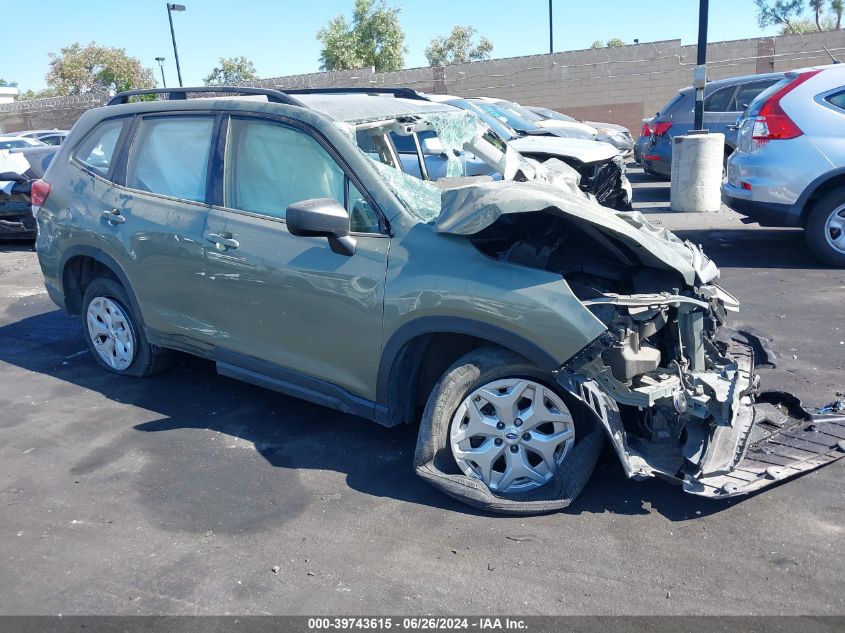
{"x": 39, "y": 192}
{"x": 772, "y": 123}
{"x": 646, "y": 131}
{"x": 661, "y": 128}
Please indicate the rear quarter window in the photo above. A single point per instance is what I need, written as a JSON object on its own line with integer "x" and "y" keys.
{"x": 96, "y": 150}
{"x": 837, "y": 100}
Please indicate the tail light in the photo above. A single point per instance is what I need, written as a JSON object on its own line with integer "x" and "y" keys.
{"x": 39, "y": 192}
{"x": 661, "y": 128}
{"x": 772, "y": 123}
{"x": 646, "y": 131}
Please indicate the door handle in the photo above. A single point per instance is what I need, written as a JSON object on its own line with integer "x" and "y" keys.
{"x": 113, "y": 217}
{"x": 222, "y": 242}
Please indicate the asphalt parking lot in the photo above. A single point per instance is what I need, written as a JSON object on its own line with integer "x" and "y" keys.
{"x": 191, "y": 493}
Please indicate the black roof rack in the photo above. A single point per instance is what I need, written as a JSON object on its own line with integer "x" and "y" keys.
{"x": 178, "y": 94}
{"x": 403, "y": 93}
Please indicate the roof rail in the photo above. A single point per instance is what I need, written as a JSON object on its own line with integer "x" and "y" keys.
{"x": 178, "y": 94}
{"x": 403, "y": 93}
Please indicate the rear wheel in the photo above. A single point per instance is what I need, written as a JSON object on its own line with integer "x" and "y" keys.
{"x": 825, "y": 230}
{"x": 113, "y": 332}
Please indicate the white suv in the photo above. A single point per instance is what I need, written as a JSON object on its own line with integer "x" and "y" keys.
{"x": 789, "y": 166}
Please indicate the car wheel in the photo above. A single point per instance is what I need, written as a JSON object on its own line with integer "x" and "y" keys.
{"x": 113, "y": 334}
{"x": 825, "y": 230}
{"x": 496, "y": 435}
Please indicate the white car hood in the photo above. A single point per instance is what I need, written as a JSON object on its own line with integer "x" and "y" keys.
{"x": 584, "y": 151}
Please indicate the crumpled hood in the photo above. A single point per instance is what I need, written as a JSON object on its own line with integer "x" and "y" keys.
{"x": 469, "y": 210}
{"x": 580, "y": 149}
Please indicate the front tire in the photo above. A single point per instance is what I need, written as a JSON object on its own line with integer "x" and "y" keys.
{"x": 113, "y": 332}
{"x": 497, "y": 436}
{"x": 825, "y": 230}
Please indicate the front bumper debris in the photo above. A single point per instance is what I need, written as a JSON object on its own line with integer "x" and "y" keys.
{"x": 785, "y": 441}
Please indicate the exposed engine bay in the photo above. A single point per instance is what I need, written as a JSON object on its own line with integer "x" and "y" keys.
{"x": 674, "y": 387}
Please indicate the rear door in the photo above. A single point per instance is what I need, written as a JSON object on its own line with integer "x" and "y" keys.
{"x": 716, "y": 105}
{"x": 162, "y": 215}
{"x": 278, "y": 301}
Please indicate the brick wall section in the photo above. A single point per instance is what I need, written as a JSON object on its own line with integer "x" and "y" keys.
{"x": 619, "y": 85}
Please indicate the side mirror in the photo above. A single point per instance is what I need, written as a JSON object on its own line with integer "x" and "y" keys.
{"x": 321, "y": 217}
{"x": 431, "y": 146}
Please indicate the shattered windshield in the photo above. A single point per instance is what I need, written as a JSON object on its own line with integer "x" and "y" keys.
{"x": 511, "y": 118}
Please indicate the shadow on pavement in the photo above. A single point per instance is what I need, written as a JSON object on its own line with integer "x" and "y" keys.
{"x": 754, "y": 247}
{"x": 289, "y": 434}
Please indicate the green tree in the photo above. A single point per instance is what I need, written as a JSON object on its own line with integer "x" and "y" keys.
{"x": 373, "y": 38}
{"x": 29, "y": 95}
{"x": 458, "y": 47}
{"x": 838, "y": 7}
{"x": 611, "y": 43}
{"x": 77, "y": 70}
{"x": 232, "y": 70}
{"x": 779, "y": 12}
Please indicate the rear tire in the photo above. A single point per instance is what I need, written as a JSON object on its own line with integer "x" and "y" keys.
{"x": 825, "y": 229}
{"x": 114, "y": 334}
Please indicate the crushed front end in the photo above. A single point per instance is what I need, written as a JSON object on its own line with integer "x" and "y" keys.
{"x": 675, "y": 388}
{"x": 678, "y": 394}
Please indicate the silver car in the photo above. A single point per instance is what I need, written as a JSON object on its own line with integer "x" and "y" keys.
{"x": 789, "y": 166}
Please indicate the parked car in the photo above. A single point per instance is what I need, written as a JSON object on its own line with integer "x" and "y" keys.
{"x": 602, "y": 172}
{"x": 570, "y": 129}
{"x": 525, "y": 323}
{"x": 13, "y": 142}
{"x": 789, "y": 167}
{"x": 643, "y": 140}
{"x": 601, "y": 166}
{"x": 617, "y": 135}
{"x": 724, "y": 102}
{"x": 48, "y": 137}
{"x": 18, "y": 169}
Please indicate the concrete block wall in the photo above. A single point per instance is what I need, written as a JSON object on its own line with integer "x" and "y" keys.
{"x": 619, "y": 85}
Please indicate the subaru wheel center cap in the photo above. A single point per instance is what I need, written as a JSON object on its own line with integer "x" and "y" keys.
{"x": 511, "y": 436}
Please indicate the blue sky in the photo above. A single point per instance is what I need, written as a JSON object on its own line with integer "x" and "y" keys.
{"x": 279, "y": 36}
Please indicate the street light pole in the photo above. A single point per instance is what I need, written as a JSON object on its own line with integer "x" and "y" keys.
{"x": 175, "y": 7}
{"x": 551, "y": 30}
{"x": 699, "y": 79}
{"x": 160, "y": 61}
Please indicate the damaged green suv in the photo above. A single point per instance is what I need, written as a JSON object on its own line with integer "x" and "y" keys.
{"x": 517, "y": 321}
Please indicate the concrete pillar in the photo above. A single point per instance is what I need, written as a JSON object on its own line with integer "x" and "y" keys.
{"x": 697, "y": 172}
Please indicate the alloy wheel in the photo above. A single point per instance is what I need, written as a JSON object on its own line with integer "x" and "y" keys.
{"x": 512, "y": 434}
{"x": 110, "y": 332}
{"x": 834, "y": 229}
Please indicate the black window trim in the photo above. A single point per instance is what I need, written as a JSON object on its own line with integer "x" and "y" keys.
{"x": 826, "y": 98}
{"x": 116, "y": 153}
{"x": 219, "y": 154}
{"x": 120, "y": 176}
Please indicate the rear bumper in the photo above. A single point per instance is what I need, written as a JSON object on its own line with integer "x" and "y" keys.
{"x": 764, "y": 213}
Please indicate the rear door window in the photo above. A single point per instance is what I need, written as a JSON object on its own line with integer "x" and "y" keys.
{"x": 719, "y": 100}
{"x": 97, "y": 149}
{"x": 747, "y": 93}
{"x": 170, "y": 156}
